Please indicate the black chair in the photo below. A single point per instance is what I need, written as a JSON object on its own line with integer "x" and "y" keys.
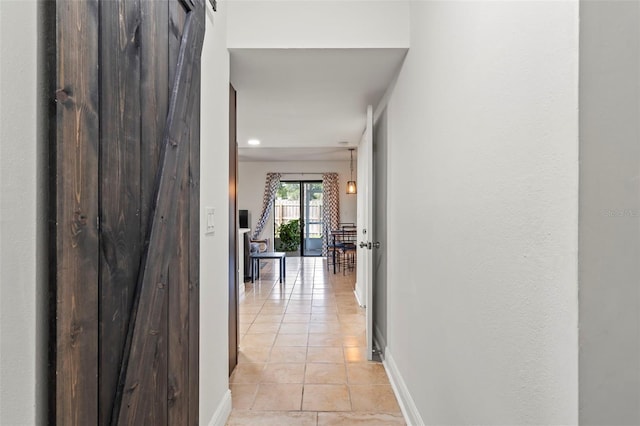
{"x": 341, "y": 247}
{"x": 333, "y": 247}
{"x": 348, "y": 248}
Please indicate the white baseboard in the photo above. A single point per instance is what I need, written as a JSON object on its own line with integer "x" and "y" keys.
{"x": 222, "y": 412}
{"x": 408, "y": 407}
{"x": 358, "y": 298}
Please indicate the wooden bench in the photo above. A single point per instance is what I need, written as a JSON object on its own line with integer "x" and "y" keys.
{"x": 255, "y": 263}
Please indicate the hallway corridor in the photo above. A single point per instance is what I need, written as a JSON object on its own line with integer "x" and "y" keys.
{"x": 302, "y": 353}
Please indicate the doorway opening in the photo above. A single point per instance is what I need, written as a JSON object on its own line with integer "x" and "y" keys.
{"x": 300, "y": 200}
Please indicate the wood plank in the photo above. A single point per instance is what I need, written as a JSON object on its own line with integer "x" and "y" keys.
{"x": 194, "y": 260}
{"x": 120, "y": 157}
{"x": 76, "y": 192}
{"x": 178, "y": 366}
{"x": 154, "y": 97}
{"x": 142, "y": 338}
{"x": 155, "y": 87}
{"x": 177, "y": 19}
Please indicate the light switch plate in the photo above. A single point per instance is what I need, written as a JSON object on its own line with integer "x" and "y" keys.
{"x": 209, "y": 220}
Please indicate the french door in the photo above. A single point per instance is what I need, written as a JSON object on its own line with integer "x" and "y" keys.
{"x": 303, "y": 201}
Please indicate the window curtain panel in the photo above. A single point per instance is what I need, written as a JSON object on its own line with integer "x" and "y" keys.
{"x": 331, "y": 207}
{"x": 270, "y": 189}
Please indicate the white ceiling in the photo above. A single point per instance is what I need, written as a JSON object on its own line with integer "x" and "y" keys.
{"x": 294, "y": 154}
{"x": 301, "y": 103}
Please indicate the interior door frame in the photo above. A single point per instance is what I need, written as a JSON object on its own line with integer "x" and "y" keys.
{"x": 233, "y": 232}
{"x": 380, "y": 177}
{"x": 364, "y": 272}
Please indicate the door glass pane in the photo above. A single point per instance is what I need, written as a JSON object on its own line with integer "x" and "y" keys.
{"x": 286, "y": 208}
{"x": 287, "y": 203}
{"x": 312, "y": 231}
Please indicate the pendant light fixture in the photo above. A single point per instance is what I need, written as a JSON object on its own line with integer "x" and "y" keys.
{"x": 351, "y": 185}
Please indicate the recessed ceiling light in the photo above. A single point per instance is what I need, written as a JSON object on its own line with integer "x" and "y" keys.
{"x": 253, "y": 142}
{"x": 343, "y": 143}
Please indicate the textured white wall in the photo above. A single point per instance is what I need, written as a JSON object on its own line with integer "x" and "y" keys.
{"x": 23, "y": 246}
{"x": 252, "y": 174}
{"x": 483, "y": 213}
{"x": 214, "y": 192}
{"x": 609, "y": 213}
{"x": 318, "y": 23}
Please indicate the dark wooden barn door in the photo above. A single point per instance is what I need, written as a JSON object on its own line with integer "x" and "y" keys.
{"x": 125, "y": 212}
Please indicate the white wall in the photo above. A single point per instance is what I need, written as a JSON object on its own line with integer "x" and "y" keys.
{"x": 609, "y": 213}
{"x": 23, "y": 244}
{"x": 214, "y": 192}
{"x": 318, "y": 23}
{"x": 483, "y": 213}
{"x": 252, "y": 175}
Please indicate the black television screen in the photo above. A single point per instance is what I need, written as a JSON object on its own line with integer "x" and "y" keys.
{"x": 244, "y": 219}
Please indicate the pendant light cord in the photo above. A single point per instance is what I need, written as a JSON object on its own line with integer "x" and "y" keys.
{"x": 351, "y": 163}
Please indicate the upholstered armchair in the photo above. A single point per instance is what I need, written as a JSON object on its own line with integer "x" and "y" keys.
{"x": 252, "y": 246}
{"x": 259, "y": 246}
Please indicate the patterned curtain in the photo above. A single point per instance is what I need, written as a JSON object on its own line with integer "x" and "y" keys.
{"x": 270, "y": 189}
{"x": 331, "y": 207}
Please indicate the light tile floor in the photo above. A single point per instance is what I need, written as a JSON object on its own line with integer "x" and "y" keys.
{"x": 302, "y": 357}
